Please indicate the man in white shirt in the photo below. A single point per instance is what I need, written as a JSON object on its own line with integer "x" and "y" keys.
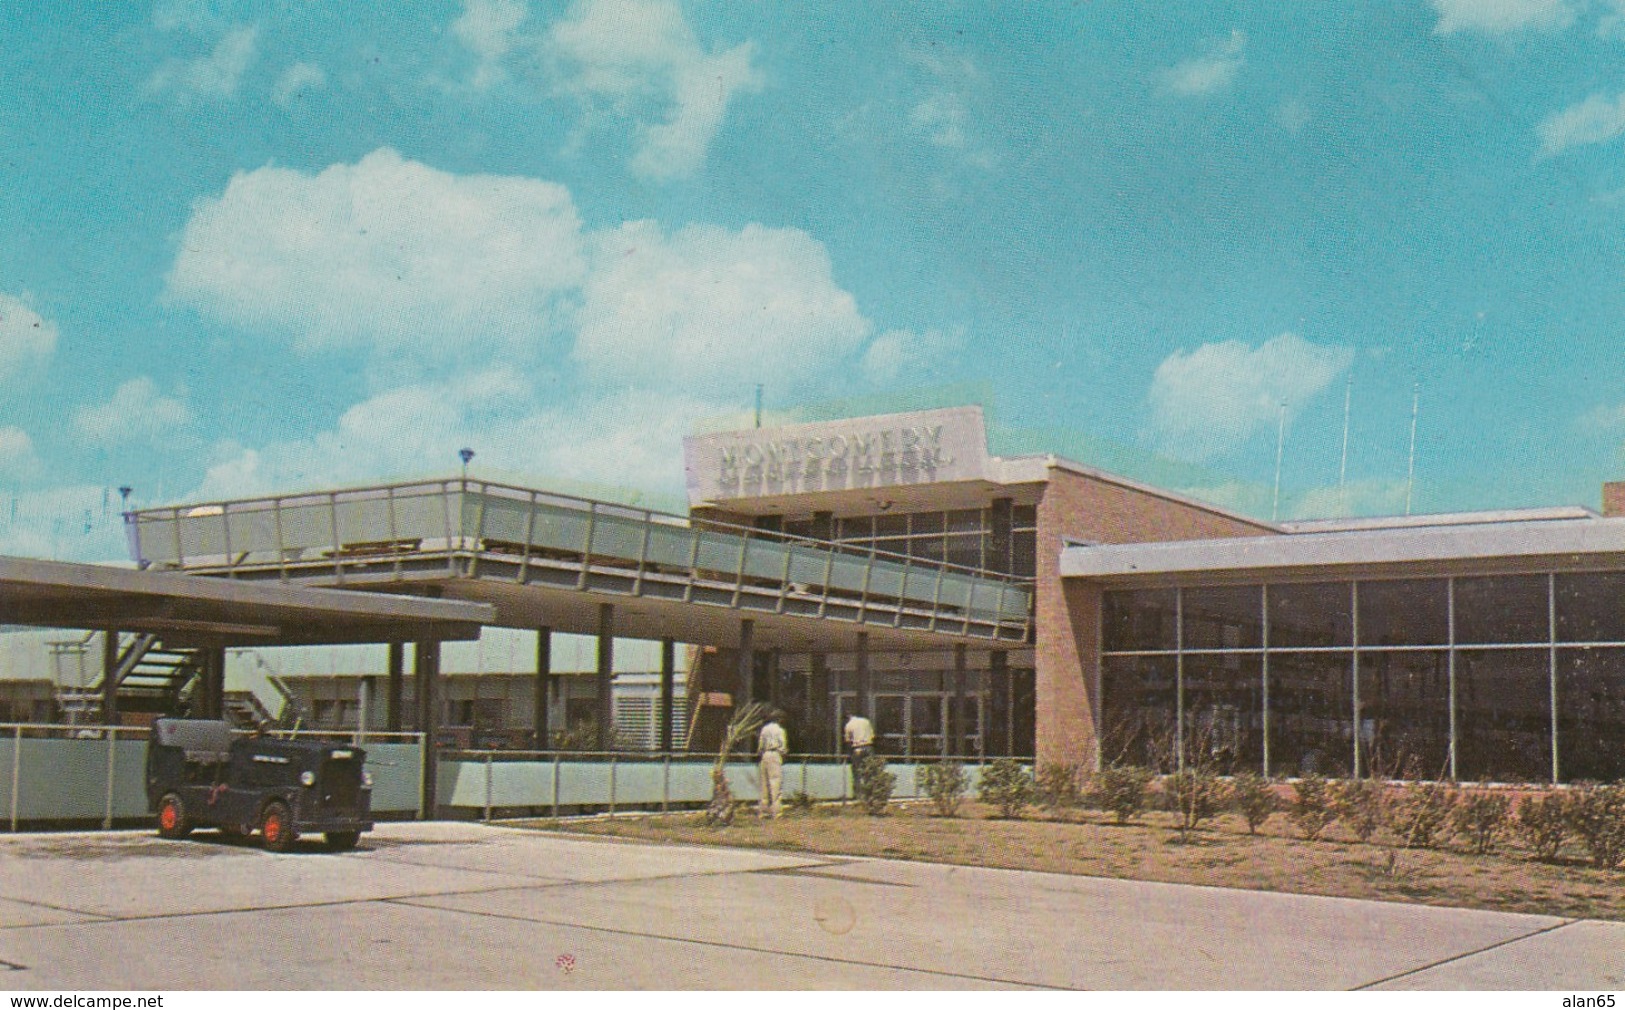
{"x": 860, "y": 737}
{"x": 772, "y": 743}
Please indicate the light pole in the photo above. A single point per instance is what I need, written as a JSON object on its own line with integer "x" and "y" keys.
{"x": 465, "y": 455}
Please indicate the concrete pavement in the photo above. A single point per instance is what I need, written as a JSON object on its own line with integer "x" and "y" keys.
{"x": 467, "y": 906}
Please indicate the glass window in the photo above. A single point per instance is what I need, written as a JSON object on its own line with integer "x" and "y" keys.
{"x": 891, "y": 525}
{"x": 1228, "y": 617}
{"x": 1024, "y": 554}
{"x": 1591, "y": 607}
{"x": 1503, "y": 715}
{"x": 965, "y": 550}
{"x": 1405, "y": 714}
{"x": 856, "y": 528}
{"x": 1023, "y": 516}
{"x": 965, "y": 521}
{"x": 890, "y": 737}
{"x": 1224, "y": 711}
{"x": 926, "y": 548}
{"x": 1591, "y": 714}
{"x": 1311, "y": 713}
{"x": 1138, "y": 710}
{"x": 1308, "y": 615}
{"x": 799, "y": 528}
{"x": 925, "y": 728}
{"x": 925, "y": 522}
{"x": 1501, "y": 608}
{"x": 1404, "y": 612}
{"x": 1139, "y": 620}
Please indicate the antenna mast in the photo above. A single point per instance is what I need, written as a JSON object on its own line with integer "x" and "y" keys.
{"x": 1280, "y": 441}
{"x": 1410, "y": 476}
{"x": 1343, "y": 468}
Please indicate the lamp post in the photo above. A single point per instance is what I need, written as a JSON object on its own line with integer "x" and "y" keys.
{"x": 465, "y": 455}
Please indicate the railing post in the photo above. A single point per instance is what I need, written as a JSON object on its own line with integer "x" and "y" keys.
{"x": 16, "y": 772}
{"x": 281, "y": 542}
{"x": 612, "y": 783}
{"x": 530, "y": 538}
{"x": 112, "y": 766}
{"x": 488, "y": 787}
{"x": 333, "y": 524}
{"x": 665, "y": 785}
{"x": 423, "y": 773}
{"x": 586, "y": 546}
{"x": 555, "y": 785}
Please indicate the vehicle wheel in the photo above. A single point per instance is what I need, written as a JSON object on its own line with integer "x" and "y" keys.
{"x": 341, "y": 841}
{"x": 276, "y": 827}
{"x": 172, "y": 820}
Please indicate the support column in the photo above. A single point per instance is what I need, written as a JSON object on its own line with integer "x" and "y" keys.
{"x": 668, "y": 707}
{"x": 393, "y": 687}
{"x": 775, "y": 691}
{"x": 426, "y": 663}
{"x": 606, "y": 675}
{"x": 544, "y": 687}
{"x": 956, "y": 713}
{"x": 865, "y": 706}
{"x": 824, "y": 733}
{"x": 998, "y": 686}
{"x": 212, "y": 702}
{"x": 747, "y": 663}
{"x": 110, "y": 678}
{"x": 998, "y": 539}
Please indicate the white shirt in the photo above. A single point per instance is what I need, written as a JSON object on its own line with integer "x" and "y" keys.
{"x": 860, "y": 732}
{"x": 772, "y": 738}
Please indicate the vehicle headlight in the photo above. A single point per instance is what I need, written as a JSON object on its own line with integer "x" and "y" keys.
{"x": 366, "y": 780}
{"x": 307, "y": 778}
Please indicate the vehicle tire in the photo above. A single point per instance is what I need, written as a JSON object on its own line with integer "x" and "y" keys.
{"x": 172, "y": 819}
{"x": 276, "y": 827}
{"x": 341, "y": 841}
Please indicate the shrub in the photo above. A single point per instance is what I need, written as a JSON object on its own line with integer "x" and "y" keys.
{"x": 1481, "y": 818}
{"x": 1543, "y": 824}
{"x": 1254, "y": 798}
{"x": 945, "y": 782}
{"x": 1195, "y": 795}
{"x": 1361, "y": 804}
{"x": 1058, "y": 786}
{"x": 1311, "y": 807}
{"x": 1421, "y": 815}
{"x": 1006, "y": 785}
{"x": 873, "y": 785}
{"x": 1596, "y": 816}
{"x": 799, "y": 802}
{"x": 1120, "y": 789}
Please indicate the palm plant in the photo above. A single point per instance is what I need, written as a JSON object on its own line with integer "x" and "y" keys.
{"x": 745, "y": 722}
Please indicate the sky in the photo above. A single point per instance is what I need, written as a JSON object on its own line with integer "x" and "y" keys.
{"x": 271, "y": 246}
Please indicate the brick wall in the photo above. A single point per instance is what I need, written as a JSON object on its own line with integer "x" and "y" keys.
{"x": 1067, "y": 652}
{"x": 1613, "y": 498}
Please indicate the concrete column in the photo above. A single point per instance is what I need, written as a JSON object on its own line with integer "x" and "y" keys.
{"x": 775, "y": 692}
{"x": 668, "y": 693}
{"x": 998, "y": 539}
{"x": 824, "y": 735}
{"x": 544, "y": 687}
{"x": 393, "y": 687}
{"x": 110, "y": 678}
{"x": 998, "y": 675}
{"x": 426, "y": 663}
{"x": 865, "y": 705}
{"x": 747, "y": 663}
{"x": 606, "y": 675}
{"x": 212, "y": 699}
{"x": 956, "y": 701}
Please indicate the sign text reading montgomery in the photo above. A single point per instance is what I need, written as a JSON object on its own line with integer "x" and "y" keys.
{"x": 916, "y": 448}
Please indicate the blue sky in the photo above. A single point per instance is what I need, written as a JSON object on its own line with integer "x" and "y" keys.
{"x": 267, "y": 246}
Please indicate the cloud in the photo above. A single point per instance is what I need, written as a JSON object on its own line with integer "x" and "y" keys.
{"x": 1292, "y": 115}
{"x": 489, "y": 30}
{"x": 387, "y": 254}
{"x": 295, "y": 81}
{"x": 215, "y": 76}
{"x": 1368, "y": 497}
{"x": 1596, "y": 120}
{"x": 943, "y": 117}
{"x": 77, "y": 522}
{"x": 902, "y": 355}
{"x": 1213, "y": 71}
{"x": 25, "y": 336}
{"x": 1499, "y": 16}
{"x": 641, "y": 57}
{"x": 1212, "y": 399}
{"x": 705, "y": 301}
{"x": 16, "y": 452}
{"x": 135, "y": 413}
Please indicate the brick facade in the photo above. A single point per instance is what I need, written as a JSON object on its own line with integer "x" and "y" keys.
{"x": 1067, "y": 654}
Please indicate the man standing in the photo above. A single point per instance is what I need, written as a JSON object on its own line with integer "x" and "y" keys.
{"x": 860, "y": 738}
{"x": 772, "y": 744}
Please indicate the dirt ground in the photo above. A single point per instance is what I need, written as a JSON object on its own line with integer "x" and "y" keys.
{"x": 1220, "y": 854}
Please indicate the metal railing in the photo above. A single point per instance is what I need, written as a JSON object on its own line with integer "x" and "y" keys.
{"x": 471, "y": 528}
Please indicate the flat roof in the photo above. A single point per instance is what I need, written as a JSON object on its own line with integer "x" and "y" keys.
{"x": 188, "y": 609}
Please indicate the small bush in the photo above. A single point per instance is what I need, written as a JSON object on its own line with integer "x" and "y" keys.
{"x": 1361, "y": 804}
{"x": 945, "y": 782}
{"x": 1421, "y": 815}
{"x": 1481, "y": 818}
{"x": 1254, "y": 799}
{"x": 1058, "y": 786}
{"x": 1006, "y": 785}
{"x": 1120, "y": 789}
{"x": 1596, "y": 816}
{"x": 1543, "y": 824}
{"x": 799, "y": 802}
{"x": 873, "y": 785}
{"x": 1194, "y": 795}
{"x": 1311, "y": 807}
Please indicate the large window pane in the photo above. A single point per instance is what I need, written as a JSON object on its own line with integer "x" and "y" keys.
{"x": 1591, "y": 714}
{"x": 1311, "y": 614}
{"x": 1502, "y": 608}
{"x": 1591, "y": 607}
{"x": 1139, "y": 620}
{"x": 1224, "y": 711}
{"x": 1405, "y": 714}
{"x": 1311, "y": 713}
{"x": 1230, "y": 617}
{"x": 1138, "y": 713}
{"x": 1404, "y": 612}
{"x": 1503, "y": 715}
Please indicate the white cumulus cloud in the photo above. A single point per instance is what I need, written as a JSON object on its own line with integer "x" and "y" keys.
{"x": 642, "y": 58}
{"x": 386, "y": 254}
{"x": 1213, "y": 70}
{"x": 1596, "y": 120}
{"x": 1499, "y": 16}
{"x": 903, "y": 355}
{"x": 489, "y": 30}
{"x": 1206, "y": 401}
{"x": 215, "y": 76}
{"x": 16, "y": 451}
{"x": 25, "y": 336}
{"x": 136, "y": 412}
{"x": 295, "y": 81}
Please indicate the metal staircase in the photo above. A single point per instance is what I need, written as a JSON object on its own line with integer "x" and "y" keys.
{"x": 151, "y": 679}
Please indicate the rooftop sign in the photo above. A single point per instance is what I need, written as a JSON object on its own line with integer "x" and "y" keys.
{"x": 922, "y": 447}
